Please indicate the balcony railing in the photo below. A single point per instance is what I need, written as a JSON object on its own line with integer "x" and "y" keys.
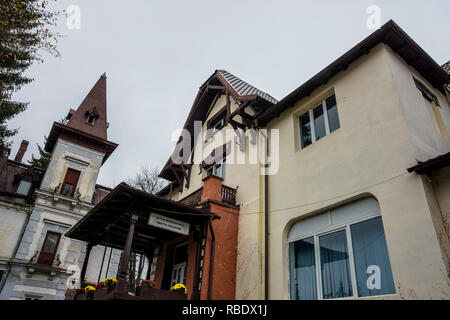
{"x": 193, "y": 199}
{"x": 228, "y": 196}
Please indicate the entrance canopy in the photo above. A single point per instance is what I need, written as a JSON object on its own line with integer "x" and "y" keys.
{"x": 108, "y": 223}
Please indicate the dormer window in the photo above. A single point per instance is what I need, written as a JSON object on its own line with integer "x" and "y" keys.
{"x": 24, "y": 188}
{"x": 91, "y": 119}
{"x": 91, "y": 116}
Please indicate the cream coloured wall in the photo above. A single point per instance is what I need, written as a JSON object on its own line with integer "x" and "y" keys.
{"x": 246, "y": 178}
{"x": 429, "y": 139}
{"x": 368, "y": 155}
{"x": 422, "y": 123}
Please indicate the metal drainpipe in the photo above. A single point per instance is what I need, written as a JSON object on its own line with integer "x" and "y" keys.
{"x": 266, "y": 237}
{"x": 211, "y": 260}
{"x": 266, "y": 225}
{"x": 24, "y": 228}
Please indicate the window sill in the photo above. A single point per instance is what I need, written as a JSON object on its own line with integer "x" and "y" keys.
{"x": 298, "y": 148}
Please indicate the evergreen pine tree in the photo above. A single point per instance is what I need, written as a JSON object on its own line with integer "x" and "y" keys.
{"x": 44, "y": 157}
{"x": 23, "y": 32}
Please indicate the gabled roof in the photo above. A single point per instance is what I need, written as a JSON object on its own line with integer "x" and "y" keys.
{"x": 79, "y": 131}
{"x": 446, "y": 67}
{"x": 242, "y": 88}
{"x": 390, "y": 34}
{"x": 239, "y": 89}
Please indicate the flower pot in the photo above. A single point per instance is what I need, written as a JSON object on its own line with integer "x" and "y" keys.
{"x": 159, "y": 294}
{"x": 110, "y": 288}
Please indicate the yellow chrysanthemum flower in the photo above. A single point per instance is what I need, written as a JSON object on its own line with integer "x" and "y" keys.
{"x": 110, "y": 281}
{"x": 89, "y": 289}
{"x": 179, "y": 288}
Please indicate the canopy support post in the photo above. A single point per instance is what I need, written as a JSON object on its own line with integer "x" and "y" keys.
{"x": 196, "y": 287}
{"x": 85, "y": 264}
{"x": 126, "y": 255}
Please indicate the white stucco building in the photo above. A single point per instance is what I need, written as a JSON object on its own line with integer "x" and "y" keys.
{"x": 357, "y": 204}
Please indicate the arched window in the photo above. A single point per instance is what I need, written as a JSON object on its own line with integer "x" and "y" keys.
{"x": 340, "y": 253}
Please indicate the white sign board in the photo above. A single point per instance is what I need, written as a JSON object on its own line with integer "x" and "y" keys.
{"x": 170, "y": 224}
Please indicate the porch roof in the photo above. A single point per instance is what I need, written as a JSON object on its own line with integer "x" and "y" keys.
{"x": 108, "y": 222}
{"x": 432, "y": 164}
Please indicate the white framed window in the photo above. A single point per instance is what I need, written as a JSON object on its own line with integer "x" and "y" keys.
{"x": 319, "y": 122}
{"x": 217, "y": 170}
{"x": 340, "y": 254}
{"x": 23, "y": 188}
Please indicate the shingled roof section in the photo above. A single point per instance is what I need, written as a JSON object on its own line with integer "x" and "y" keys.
{"x": 243, "y": 88}
{"x": 446, "y": 67}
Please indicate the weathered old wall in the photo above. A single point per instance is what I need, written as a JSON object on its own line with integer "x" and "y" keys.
{"x": 70, "y": 252}
{"x": 441, "y": 186}
{"x": 68, "y": 155}
{"x": 367, "y": 156}
{"x": 56, "y": 213}
{"x": 12, "y": 217}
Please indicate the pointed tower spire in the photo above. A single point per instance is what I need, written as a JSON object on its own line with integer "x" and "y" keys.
{"x": 87, "y": 125}
{"x": 90, "y": 117}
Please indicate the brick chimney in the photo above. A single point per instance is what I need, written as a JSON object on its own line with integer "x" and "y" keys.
{"x": 22, "y": 149}
{"x": 212, "y": 188}
{"x": 220, "y": 272}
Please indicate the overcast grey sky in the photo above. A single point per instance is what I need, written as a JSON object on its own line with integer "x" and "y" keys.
{"x": 157, "y": 53}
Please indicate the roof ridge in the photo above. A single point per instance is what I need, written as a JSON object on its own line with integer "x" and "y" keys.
{"x": 243, "y": 88}
{"x": 446, "y": 67}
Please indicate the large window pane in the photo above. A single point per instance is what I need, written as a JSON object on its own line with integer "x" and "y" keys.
{"x": 305, "y": 130}
{"x": 319, "y": 122}
{"x": 332, "y": 112}
{"x": 336, "y": 279}
{"x": 303, "y": 270}
{"x": 373, "y": 269}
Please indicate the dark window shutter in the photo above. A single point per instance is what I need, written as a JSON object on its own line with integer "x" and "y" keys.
{"x": 70, "y": 182}
{"x": 49, "y": 248}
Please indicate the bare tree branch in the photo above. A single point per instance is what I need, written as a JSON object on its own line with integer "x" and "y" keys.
{"x": 147, "y": 180}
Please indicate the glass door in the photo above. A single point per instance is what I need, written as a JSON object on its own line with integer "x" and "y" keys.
{"x": 179, "y": 265}
{"x": 178, "y": 274}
